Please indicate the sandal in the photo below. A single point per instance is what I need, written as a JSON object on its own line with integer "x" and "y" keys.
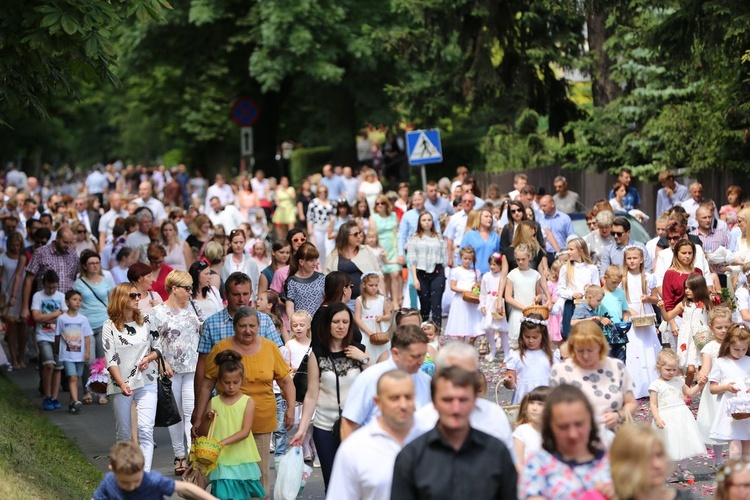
{"x": 103, "y": 400}
{"x": 179, "y": 466}
{"x": 687, "y": 475}
{"x": 87, "y": 399}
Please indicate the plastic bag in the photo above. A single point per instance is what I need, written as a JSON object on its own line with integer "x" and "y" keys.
{"x": 289, "y": 476}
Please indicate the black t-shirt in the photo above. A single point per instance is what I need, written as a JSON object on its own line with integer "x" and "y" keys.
{"x": 351, "y": 269}
{"x": 663, "y": 243}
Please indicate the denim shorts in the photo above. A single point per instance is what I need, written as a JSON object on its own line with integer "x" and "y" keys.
{"x": 73, "y": 368}
{"x": 47, "y": 354}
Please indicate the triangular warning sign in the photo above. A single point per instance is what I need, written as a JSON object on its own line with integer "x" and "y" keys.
{"x": 424, "y": 149}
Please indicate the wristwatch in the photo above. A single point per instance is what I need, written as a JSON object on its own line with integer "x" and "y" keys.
{"x": 365, "y": 361}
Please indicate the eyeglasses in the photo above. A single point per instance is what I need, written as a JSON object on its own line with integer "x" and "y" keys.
{"x": 301, "y": 239}
{"x": 618, "y": 233}
{"x": 379, "y": 203}
{"x": 516, "y": 211}
{"x": 94, "y": 263}
{"x": 673, "y": 238}
{"x": 135, "y": 295}
{"x": 187, "y": 288}
{"x": 357, "y": 233}
{"x": 81, "y": 231}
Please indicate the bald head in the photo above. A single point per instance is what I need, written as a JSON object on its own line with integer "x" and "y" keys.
{"x": 547, "y": 205}
{"x": 696, "y": 191}
{"x": 145, "y": 190}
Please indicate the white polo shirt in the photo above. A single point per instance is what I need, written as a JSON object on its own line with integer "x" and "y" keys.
{"x": 363, "y": 467}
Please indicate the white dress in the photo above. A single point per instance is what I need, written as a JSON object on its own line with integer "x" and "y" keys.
{"x": 524, "y": 291}
{"x": 681, "y": 436}
{"x": 464, "y": 320}
{"x": 9, "y": 269}
{"x": 742, "y": 298}
{"x": 643, "y": 342}
{"x": 694, "y": 320}
{"x": 709, "y": 402}
{"x": 374, "y": 308}
{"x": 531, "y": 372}
{"x": 531, "y": 439}
{"x": 488, "y": 298}
{"x": 724, "y": 371}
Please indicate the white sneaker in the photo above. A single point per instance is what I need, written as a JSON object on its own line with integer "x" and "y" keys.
{"x": 316, "y": 463}
{"x": 273, "y": 447}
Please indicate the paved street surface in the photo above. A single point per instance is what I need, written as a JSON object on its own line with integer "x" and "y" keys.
{"x": 93, "y": 431}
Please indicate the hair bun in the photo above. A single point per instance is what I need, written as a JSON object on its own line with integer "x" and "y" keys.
{"x": 227, "y": 356}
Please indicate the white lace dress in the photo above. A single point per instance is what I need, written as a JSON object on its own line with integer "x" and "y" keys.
{"x": 681, "y": 435}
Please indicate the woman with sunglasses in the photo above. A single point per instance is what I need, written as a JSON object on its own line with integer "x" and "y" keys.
{"x": 205, "y": 296}
{"x": 384, "y": 222}
{"x": 515, "y": 214}
{"x": 131, "y": 351}
{"x": 139, "y": 275}
{"x": 319, "y": 214}
{"x": 83, "y": 240}
{"x": 296, "y": 237}
{"x": 178, "y": 321}
{"x": 351, "y": 257}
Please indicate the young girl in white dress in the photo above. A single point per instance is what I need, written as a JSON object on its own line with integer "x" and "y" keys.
{"x": 730, "y": 379}
{"x": 372, "y": 313}
{"x": 697, "y": 303}
{"x": 490, "y": 302}
{"x": 577, "y": 275}
{"x": 719, "y": 321}
{"x": 742, "y": 297}
{"x": 464, "y": 319}
{"x": 643, "y": 341}
{"x": 527, "y": 437}
{"x": 672, "y": 417}
{"x": 432, "y": 331}
{"x": 528, "y": 367}
{"x": 524, "y": 287}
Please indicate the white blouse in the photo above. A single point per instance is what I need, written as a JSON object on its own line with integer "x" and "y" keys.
{"x": 126, "y": 348}
{"x": 583, "y": 276}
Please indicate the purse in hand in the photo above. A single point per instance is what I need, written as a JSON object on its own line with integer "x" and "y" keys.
{"x": 167, "y": 412}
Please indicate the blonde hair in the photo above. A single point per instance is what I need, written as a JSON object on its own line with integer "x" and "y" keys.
{"x": 583, "y": 249}
{"x": 214, "y": 252}
{"x": 719, "y": 312}
{"x": 525, "y": 234}
{"x": 594, "y": 291}
{"x": 745, "y": 214}
{"x": 586, "y": 333}
{"x": 613, "y": 272}
{"x": 472, "y": 220}
{"x": 665, "y": 356}
{"x": 177, "y": 278}
{"x": 626, "y": 272}
{"x": 304, "y": 316}
{"x": 554, "y": 269}
{"x": 629, "y": 458}
{"x": 117, "y": 303}
{"x": 523, "y": 248}
{"x": 126, "y": 457}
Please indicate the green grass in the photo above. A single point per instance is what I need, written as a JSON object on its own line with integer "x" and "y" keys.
{"x": 38, "y": 460}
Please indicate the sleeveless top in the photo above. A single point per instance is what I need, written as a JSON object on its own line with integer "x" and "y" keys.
{"x": 175, "y": 258}
{"x": 228, "y": 422}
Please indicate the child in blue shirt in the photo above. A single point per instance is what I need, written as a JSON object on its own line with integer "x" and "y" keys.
{"x": 615, "y": 305}
{"x": 127, "y": 479}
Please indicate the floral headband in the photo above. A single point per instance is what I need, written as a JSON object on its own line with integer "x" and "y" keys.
{"x": 631, "y": 247}
{"x": 727, "y": 471}
{"x": 534, "y": 320}
{"x": 369, "y": 273}
{"x": 496, "y": 255}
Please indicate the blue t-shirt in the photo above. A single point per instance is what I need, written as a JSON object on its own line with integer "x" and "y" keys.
{"x": 615, "y": 303}
{"x": 154, "y": 486}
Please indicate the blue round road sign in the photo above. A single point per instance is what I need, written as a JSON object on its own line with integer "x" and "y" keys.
{"x": 245, "y": 112}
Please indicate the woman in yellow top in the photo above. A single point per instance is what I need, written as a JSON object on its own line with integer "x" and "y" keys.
{"x": 285, "y": 215}
{"x": 237, "y": 474}
{"x": 263, "y": 363}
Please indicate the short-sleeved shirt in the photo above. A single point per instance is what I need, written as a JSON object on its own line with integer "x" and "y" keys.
{"x": 219, "y": 326}
{"x": 605, "y": 386}
{"x": 306, "y": 293}
{"x": 615, "y": 303}
{"x": 73, "y": 332}
{"x": 261, "y": 370}
{"x": 153, "y": 487}
{"x": 179, "y": 330}
{"x": 48, "y": 258}
{"x": 46, "y": 304}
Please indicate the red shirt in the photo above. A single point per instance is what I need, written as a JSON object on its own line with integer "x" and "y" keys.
{"x": 673, "y": 287}
{"x": 159, "y": 285}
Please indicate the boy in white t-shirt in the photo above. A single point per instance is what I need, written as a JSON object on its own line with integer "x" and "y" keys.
{"x": 47, "y": 305}
{"x": 73, "y": 345}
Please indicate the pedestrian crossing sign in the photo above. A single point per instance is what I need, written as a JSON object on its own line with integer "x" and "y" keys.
{"x": 423, "y": 146}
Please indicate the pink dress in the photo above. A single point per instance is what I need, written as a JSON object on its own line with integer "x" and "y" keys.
{"x": 554, "y": 321}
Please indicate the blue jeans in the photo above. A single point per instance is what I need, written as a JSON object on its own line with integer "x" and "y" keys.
{"x": 279, "y": 435}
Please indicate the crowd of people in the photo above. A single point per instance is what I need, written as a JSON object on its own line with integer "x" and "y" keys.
{"x": 353, "y": 320}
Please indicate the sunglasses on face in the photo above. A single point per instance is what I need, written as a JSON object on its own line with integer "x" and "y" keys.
{"x": 301, "y": 239}
{"x": 187, "y": 288}
{"x": 673, "y": 238}
{"x": 135, "y": 295}
{"x": 357, "y": 233}
{"x": 617, "y": 233}
{"x": 516, "y": 211}
{"x": 379, "y": 203}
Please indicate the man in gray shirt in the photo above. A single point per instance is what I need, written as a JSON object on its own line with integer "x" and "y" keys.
{"x": 566, "y": 201}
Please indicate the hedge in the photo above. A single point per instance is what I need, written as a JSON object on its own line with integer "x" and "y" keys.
{"x": 306, "y": 161}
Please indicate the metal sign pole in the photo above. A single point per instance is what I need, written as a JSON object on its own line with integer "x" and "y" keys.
{"x": 424, "y": 177}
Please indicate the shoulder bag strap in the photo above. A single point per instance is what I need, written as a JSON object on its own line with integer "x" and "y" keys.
{"x": 92, "y": 291}
{"x": 338, "y": 390}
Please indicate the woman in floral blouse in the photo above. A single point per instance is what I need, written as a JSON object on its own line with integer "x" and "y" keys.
{"x": 178, "y": 322}
{"x": 130, "y": 348}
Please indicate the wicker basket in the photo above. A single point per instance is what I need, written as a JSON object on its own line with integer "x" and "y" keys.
{"x": 207, "y": 449}
{"x": 542, "y": 311}
{"x": 470, "y": 297}
{"x": 740, "y": 416}
{"x": 643, "y": 319}
{"x": 379, "y": 339}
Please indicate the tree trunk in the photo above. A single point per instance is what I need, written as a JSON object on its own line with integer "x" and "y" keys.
{"x": 603, "y": 89}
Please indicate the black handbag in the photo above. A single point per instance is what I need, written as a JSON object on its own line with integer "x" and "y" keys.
{"x": 167, "y": 412}
{"x": 300, "y": 378}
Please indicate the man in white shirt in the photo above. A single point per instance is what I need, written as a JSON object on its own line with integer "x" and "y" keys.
{"x": 363, "y": 468}
{"x": 96, "y": 183}
{"x": 228, "y": 216}
{"x": 107, "y": 221}
{"x": 519, "y": 181}
{"x": 221, "y": 190}
{"x": 664, "y": 257}
{"x": 146, "y": 199}
{"x": 691, "y": 204}
{"x": 408, "y": 348}
{"x": 486, "y": 416}
{"x": 456, "y": 227}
